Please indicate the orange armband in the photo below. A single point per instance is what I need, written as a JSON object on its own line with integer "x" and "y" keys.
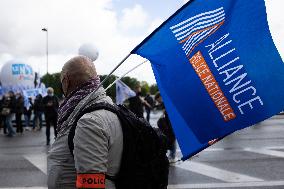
{"x": 90, "y": 180}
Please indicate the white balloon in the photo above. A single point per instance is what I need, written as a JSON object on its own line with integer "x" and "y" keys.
{"x": 89, "y": 51}
{"x": 15, "y": 73}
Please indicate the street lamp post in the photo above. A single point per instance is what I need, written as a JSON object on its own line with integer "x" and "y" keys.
{"x": 46, "y": 30}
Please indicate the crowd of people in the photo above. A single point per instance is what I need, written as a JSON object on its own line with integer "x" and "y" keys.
{"x": 30, "y": 116}
{"x": 16, "y": 107}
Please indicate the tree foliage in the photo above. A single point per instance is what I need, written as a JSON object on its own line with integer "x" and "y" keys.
{"x": 130, "y": 82}
{"x": 144, "y": 88}
{"x": 110, "y": 80}
{"x": 154, "y": 89}
{"x": 53, "y": 80}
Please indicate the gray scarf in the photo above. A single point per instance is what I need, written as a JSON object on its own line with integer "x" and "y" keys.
{"x": 70, "y": 103}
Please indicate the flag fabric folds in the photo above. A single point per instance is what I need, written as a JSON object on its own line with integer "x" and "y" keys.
{"x": 123, "y": 92}
{"x": 217, "y": 68}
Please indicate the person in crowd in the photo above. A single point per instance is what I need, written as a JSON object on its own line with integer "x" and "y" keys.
{"x": 98, "y": 140}
{"x": 1, "y": 116}
{"x": 50, "y": 104}
{"x": 19, "y": 112}
{"x": 136, "y": 103}
{"x": 28, "y": 112}
{"x": 148, "y": 108}
{"x": 165, "y": 126}
{"x": 38, "y": 111}
{"x": 8, "y": 111}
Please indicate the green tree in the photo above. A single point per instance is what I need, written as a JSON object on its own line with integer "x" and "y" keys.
{"x": 130, "y": 82}
{"x": 144, "y": 88}
{"x": 111, "y": 91}
{"x": 154, "y": 89}
{"x": 53, "y": 80}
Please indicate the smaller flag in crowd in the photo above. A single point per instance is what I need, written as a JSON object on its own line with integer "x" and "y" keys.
{"x": 123, "y": 92}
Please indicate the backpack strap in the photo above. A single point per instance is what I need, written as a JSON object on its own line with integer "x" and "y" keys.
{"x": 94, "y": 107}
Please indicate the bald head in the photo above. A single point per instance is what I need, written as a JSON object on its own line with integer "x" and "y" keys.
{"x": 75, "y": 72}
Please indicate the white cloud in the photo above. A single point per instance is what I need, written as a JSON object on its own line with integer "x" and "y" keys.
{"x": 276, "y": 23}
{"x": 154, "y": 24}
{"x": 4, "y": 57}
{"x": 134, "y": 18}
{"x": 185, "y": 1}
{"x": 70, "y": 23}
{"x": 143, "y": 72}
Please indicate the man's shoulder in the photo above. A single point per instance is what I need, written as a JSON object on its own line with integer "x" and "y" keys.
{"x": 99, "y": 121}
{"x": 101, "y": 114}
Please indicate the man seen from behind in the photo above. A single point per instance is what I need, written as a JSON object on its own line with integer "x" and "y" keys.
{"x": 98, "y": 139}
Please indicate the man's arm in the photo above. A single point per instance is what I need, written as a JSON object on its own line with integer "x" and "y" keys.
{"x": 145, "y": 103}
{"x": 91, "y": 143}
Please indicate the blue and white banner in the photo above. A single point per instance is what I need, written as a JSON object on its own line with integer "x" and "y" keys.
{"x": 1, "y": 91}
{"x": 217, "y": 68}
{"x": 32, "y": 92}
{"x": 123, "y": 92}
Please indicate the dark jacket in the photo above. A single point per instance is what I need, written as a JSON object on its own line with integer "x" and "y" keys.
{"x": 165, "y": 126}
{"x": 20, "y": 105}
{"x": 136, "y": 105}
{"x": 10, "y": 102}
{"x": 1, "y": 104}
{"x": 150, "y": 101}
{"x": 50, "y": 104}
{"x": 38, "y": 105}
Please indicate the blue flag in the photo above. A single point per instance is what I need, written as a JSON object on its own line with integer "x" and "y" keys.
{"x": 217, "y": 68}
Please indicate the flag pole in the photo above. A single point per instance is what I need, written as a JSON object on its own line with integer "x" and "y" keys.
{"x": 121, "y": 62}
{"x": 125, "y": 74}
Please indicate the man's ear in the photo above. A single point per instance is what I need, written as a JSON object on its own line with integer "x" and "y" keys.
{"x": 65, "y": 85}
